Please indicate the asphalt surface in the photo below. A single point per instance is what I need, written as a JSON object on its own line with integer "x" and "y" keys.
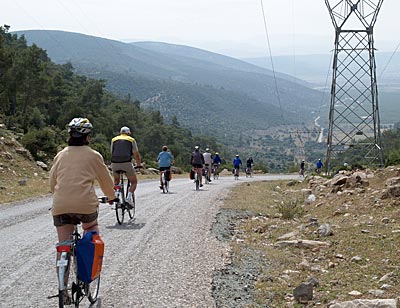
{"x": 165, "y": 257}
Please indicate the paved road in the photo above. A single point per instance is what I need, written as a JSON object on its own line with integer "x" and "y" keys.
{"x": 163, "y": 258}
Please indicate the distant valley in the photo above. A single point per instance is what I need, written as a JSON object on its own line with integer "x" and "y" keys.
{"x": 317, "y": 71}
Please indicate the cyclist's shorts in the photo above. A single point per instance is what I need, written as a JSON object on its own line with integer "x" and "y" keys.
{"x": 197, "y": 165}
{"x": 127, "y": 167}
{"x": 73, "y": 219}
{"x": 163, "y": 168}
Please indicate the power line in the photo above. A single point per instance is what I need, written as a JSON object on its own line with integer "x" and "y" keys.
{"x": 93, "y": 38}
{"x": 294, "y": 49}
{"x": 270, "y": 55}
{"x": 41, "y": 26}
{"x": 326, "y": 83}
{"x": 390, "y": 59}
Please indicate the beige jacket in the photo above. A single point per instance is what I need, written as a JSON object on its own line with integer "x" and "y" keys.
{"x": 72, "y": 178}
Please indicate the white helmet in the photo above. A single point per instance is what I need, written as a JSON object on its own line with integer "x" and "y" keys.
{"x": 125, "y": 130}
{"x": 79, "y": 126}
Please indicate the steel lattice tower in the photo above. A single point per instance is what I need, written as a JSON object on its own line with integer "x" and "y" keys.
{"x": 354, "y": 124}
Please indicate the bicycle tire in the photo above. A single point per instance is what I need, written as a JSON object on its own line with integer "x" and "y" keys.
{"x": 92, "y": 290}
{"x": 167, "y": 186}
{"x": 131, "y": 210}
{"x": 120, "y": 211}
{"x": 216, "y": 174}
{"x": 64, "y": 292}
{"x": 236, "y": 174}
{"x": 163, "y": 184}
{"x": 196, "y": 180}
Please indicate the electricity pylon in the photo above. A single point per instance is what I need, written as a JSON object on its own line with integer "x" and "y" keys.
{"x": 354, "y": 125}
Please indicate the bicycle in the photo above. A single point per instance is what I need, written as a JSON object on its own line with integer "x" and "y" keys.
{"x": 205, "y": 175}
{"x": 121, "y": 193}
{"x": 216, "y": 172}
{"x": 165, "y": 181}
{"x": 249, "y": 172}
{"x": 196, "y": 178}
{"x": 236, "y": 173}
{"x": 71, "y": 287}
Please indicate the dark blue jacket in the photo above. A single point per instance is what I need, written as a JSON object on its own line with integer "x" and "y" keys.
{"x": 217, "y": 159}
{"x": 237, "y": 162}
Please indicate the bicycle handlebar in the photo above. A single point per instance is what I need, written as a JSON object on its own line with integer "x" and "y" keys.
{"x": 104, "y": 199}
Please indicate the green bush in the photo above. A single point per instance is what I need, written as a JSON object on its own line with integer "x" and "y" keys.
{"x": 42, "y": 144}
{"x": 291, "y": 209}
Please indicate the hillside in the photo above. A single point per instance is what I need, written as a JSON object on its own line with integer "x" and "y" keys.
{"x": 318, "y": 242}
{"x": 20, "y": 176}
{"x": 184, "y": 81}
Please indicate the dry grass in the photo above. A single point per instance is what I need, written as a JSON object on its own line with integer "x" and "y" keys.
{"x": 363, "y": 225}
{"x": 12, "y": 172}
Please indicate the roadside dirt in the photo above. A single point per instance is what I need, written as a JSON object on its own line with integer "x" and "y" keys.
{"x": 358, "y": 259}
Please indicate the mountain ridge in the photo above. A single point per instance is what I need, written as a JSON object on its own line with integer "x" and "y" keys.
{"x": 144, "y": 70}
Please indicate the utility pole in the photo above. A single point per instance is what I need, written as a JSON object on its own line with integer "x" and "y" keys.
{"x": 354, "y": 125}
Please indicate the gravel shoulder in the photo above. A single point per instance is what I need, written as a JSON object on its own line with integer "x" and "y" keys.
{"x": 166, "y": 257}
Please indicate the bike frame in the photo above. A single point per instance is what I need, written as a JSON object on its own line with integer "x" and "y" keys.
{"x": 216, "y": 171}
{"x": 66, "y": 262}
{"x": 236, "y": 174}
{"x": 197, "y": 177}
{"x": 164, "y": 182}
{"x": 121, "y": 206}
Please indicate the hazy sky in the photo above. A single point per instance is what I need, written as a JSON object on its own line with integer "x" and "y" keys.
{"x": 232, "y": 27}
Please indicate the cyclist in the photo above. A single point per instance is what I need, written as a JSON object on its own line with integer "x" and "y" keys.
{"x": 207, "y": 163}
{"x": 72, "y": 177}
{"x": 319, "y": 165}
{"x": 123, "y": 147}
{"x": 197, "y": 161}
{"x": 72, "y": 182}
{"x": 249, "y": 165}
{"x": 302, "y": 168}
{"x": 165, "y": 160}
{"x": 216, "y": 162}
{"x": 237, "y": 162}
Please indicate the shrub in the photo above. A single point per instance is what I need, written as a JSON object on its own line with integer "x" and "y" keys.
{"x": 291, "y": 208}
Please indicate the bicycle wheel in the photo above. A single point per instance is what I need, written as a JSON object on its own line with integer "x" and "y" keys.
{"x": 163, "y": 184}
{"x": 167, "y": 186}
{"x": 216, "y": 173}
{"x": 92, "y": 290}
{"x": 120, "y": 208}
{"x": 73, "y": 294}
{"x": 130, "y": 208}
{"x": 65, "y": 279}
{"x": 196, "y": 180}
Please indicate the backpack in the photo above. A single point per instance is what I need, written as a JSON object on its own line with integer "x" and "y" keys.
{"x": 89, "y": 256}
